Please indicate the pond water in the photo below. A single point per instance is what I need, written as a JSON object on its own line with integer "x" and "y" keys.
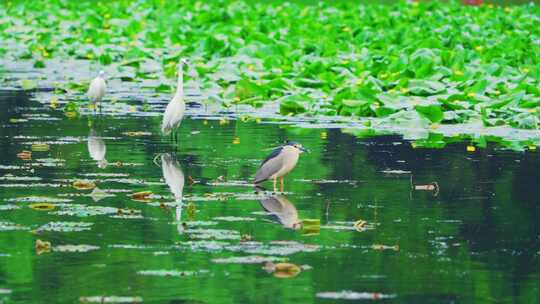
{"x": 441, "y": 226}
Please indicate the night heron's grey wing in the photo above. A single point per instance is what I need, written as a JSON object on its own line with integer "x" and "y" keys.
{"x": 269, "y": 167}
{"x": 274, "y": 153}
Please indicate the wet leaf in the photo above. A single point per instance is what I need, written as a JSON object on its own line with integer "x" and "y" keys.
{"x": 380, "y": 247}
{"x": 83, "y": 185}
{"x": 360, "y": 225}
{"x": 282, "y": 270}
{"x": 143, "y": 196}
{"x": 40, "y": 147}
{"x": 137, "y": 133}
{"x": 42, "y": 247}
{"x": 42, "y": 206}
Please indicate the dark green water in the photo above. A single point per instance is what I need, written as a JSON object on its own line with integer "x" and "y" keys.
{"x": 476, "y": 241}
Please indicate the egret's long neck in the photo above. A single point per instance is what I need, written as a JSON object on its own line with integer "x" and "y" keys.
{"x": 180, "y": 85}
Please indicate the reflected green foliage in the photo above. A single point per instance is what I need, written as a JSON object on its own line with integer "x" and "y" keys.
{"x": 475, "y": 242}
{"x": 450, "y": 63}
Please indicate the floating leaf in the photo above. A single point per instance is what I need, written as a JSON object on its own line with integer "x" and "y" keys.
{"x": 40, "y": 147}
{"x": 143, "y": 196}
{"x": 42, "y": 247}
{"x": 83, "y": 185}
{"x": 42, "y": 206}
{"x": 380, "y": 247}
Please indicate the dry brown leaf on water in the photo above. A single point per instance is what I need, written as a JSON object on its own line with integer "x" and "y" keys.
{"x": 40, "y": 147}
{"x": 25, "y": 155}
{"x": 143, "y": 196}
{"x": 282, "y": 270}
{"x": 42, "y": 246}
{"x": 42, "y": 206}
{"x": 83, "y": 185}
{"x": 360, "y": 225}
{"x": 381, "y": 247}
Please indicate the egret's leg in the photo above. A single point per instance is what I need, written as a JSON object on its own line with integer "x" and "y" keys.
{"x": 281, "y": 181}
{"x": 275, "y": 186}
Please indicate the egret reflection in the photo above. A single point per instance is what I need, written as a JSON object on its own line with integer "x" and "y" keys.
{"x": 282, "y": 210}
{"x": 97, "y": 148}
{"x": 174, "y": 178}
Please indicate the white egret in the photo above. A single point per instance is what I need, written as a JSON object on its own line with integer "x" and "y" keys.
{"x": 97, "y": 149}
{"x": 174, "y": 178}
{"x": 176, "y": 107}
{"x": 97, "y": 88}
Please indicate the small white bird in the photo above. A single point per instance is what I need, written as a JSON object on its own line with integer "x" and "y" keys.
{"x": 176, "y": 107}
{"x": 97, "y": 149}
{"x": 97, "y": 88}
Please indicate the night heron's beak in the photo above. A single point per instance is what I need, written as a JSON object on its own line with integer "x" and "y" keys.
{"x": 304, "y": 149}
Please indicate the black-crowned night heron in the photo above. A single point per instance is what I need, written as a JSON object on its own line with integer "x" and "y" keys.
{"x": 279, "y": 163}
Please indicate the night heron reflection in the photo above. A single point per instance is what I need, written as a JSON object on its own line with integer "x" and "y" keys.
{"x": 279, "y": 163}
{"x": 284, "y": 211}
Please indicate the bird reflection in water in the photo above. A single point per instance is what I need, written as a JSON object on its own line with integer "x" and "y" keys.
{"x": 174, "y": 178}
{"x": 97, "y": 147}
{"x": 282, "y": 210}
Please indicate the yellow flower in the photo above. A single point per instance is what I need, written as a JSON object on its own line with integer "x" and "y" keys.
{"x": 532, "y": 148}
{"x": 258, "y": 120}
{"x": 471, "y": 94}
{"x": 413, "y": 145}
{"x": 525, "y": 70}
{"x": 236, "y": 141}
{"x": 458, "y": 73}
{"x": 89, "y": 55}
{"x": 324, "y": 135}
{"x": 471, "y": 148}
{"x": 497, "y": 92}
{"x": 533, "y": 111}
{"x": 479, "y": 48}
{"x": 434, "y": 126}
{"x": 88, "y": 40}
{"x": 359, "y": 81}
{"x": 346, "y": 29}
{"x": 251, "y": 67}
